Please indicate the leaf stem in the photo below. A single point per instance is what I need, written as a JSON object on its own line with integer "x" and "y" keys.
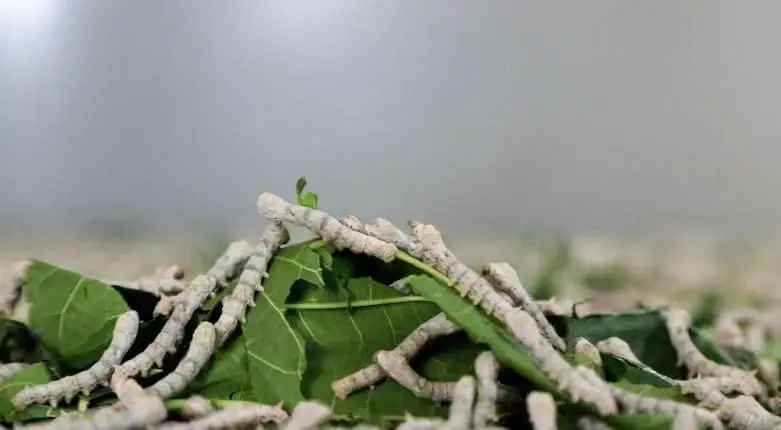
{"x": 423, "y": 267}
{"x": 356, "y": 303}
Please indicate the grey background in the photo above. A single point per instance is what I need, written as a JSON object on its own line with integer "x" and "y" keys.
{"x": 609, "y": 115}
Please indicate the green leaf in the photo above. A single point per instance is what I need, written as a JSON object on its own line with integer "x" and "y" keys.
{"x": 309, "y": 199}
{"x": 32, "y": 375}
{"x": 342, "y": 341}
{"x": 276, "y": 354}
{"x": 226, "y": 376}
{"x": 73, "y": 315}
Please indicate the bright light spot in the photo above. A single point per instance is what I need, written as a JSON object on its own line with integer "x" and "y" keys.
{"x": 24, "y": 21}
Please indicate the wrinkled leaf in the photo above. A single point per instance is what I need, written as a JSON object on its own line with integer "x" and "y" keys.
{"x": 33, "y": 375}
{"x": 342, "y": 341}
{"x": 73, "y": 315}
{"x": 276, "y": 354}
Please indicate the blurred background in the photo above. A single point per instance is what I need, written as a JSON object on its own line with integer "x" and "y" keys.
{"x": 137, "y": 133}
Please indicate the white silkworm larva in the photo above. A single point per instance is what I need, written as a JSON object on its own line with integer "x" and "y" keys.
{"x": 308, "y": 415}
{"x": 152, "y": 285}
{"x": 684, "y": 421}
{"x": 198, "y": 354}
{"x": 636, "y": 403}
{"x": 125, "y": 331}
{"x": 437, "y": 326}
{"x": 744, "y": 412}
{"x": 12, "y": 280}
{"x": 8, "y": 370}
{"x": 618, "y": 347}
{"x": 770, "y": 373}
{"x": 196, "y": 407}
{"x": 173, "y": 330}
{"x": 227, "y": 265}
{"x": 234, "y": 306}
{"x": 542, "y": 410}
{"x": 726, "y": 385}
{"x": 678, "y": 322}
{"x": 397, "y": 368}
{"x": 581, "y": 383}
{"x": 707, "y": 396}
{"x": 234, "y": 416}
{"x": 553, "y": 307}
{"x": 487, "y": 370}
{"x": 460, "y": 413}
{"x": 329, "y": 228}
{"x": 505, "y": 278}
{"x": 173, "y": 271}
{"x": 583, "y": 346}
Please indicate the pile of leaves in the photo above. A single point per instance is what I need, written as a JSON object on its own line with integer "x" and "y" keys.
{"x": 322, "y": 316}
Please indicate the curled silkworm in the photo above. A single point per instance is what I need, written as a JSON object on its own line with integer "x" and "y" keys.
{"x": 397, "y": 368}
{"x": 277, "y": 209}
{"x": 125, "y": 331}
{"x": 173, "y": 330}
{"x": 505, "y": 278}
{"x": 234, "y": 306}
{"x": 460, "y": 415}
{"x": 618, "y": 347}
{"x": 198, "y": 354}
{"x": 678, "y": 322}
{"x": 196, "y": 407}
{"x": 744, "y": 412}
{"x": 587, "y": 349}
{"x": 634, "y": 403}
{"x": 435, "y": 327}
{"x": 8, "y": 370}
{"x": 239, "y": 415}
{"x": 542, "y": 410}
{"x": 12, "y": 280}
{"x": 308, "y": 416}
{"x": 486, "y": 370}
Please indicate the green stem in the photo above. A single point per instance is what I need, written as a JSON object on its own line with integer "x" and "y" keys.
{"x": 423, "y": 267}
{"x": 356, "y": 303}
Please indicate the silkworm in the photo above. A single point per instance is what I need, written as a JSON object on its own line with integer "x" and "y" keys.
{"x": 618, "y": 347}
{"x": 678, "y": 322}
{"x": 770, "y": 373}
{"x": 12, "y": 280}
{"x": 587, "y": 349}
{"x": 157, "y": 286}
{"x": 125, "y": 331}
{"x": 196, "y": 407}
{"x": 397, "y": 368}
{"x": 460, "y": 411}
{"x": 486, "y": 370}
{"x": 8, "y": 370}
{"x": 542, "y": 410}
{"x": 227, "y": 266}
{"x": 173, "y": 271}
{"x": 198, "y": 354}
{"x": 755, "y": 336}
{"x": 239, "y": 415}
{"x": 308, "y": 415}
{"x": 726, "y": 385}
{"x": 173, "y": 330}
{"x": 581, "y": 383}
{"x": 707, "y": 396}
{"x": 634, "y": 403}
{"x": 684, "y": 421}
{"x": 505, "y": 278}
{"x": 234, "y": 306}
{"x": 554, "y": 307}
{"x": 744, "y": 412}
{"x": 728, "y": 333}
{"x": 435, "y": 327}
{"x": 329, "y": 228}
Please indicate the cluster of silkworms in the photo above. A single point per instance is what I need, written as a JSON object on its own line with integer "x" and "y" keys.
{"x": 726, "y": 395}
